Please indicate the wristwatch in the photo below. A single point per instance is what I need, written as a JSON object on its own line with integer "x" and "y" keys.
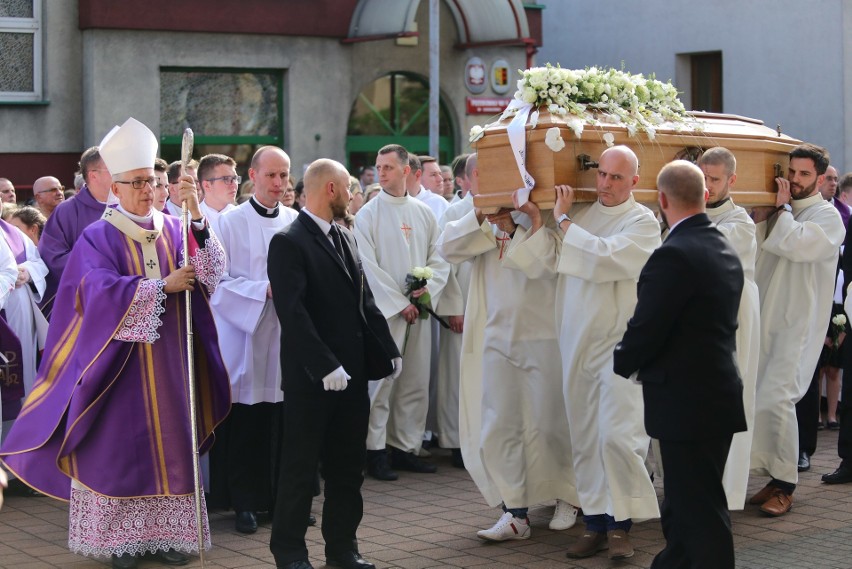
{"x": 561, "y": 218}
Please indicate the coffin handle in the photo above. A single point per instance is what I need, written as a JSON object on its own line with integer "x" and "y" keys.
{"x": 586, "y": 162}
{"x": 778, "y": 171}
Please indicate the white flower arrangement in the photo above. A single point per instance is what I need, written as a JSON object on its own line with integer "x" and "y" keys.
{"x": 424, "y": 273}
{"x": 595, "y": 96}
{"x": 839, "y": 320}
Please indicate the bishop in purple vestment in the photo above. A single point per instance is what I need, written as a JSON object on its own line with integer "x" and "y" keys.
{"x": 107, "y": 423}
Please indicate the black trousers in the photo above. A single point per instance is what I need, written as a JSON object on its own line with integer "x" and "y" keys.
{"x": 695, "y": 518}
{"x": 331, "y": 427}
{"x": 844, "y": 437}
{"x": 244, "y": 458}
{"x": 807, "y": 416}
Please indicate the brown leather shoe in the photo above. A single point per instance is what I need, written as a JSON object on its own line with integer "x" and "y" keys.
{"x": 619, "y": 544}
{"x": 779, "y": 504}
{"x": 762, "y": 496}
{"x": 587, "y": 545}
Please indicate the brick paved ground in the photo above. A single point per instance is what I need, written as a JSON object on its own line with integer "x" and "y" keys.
{"x": 426, "y": 521}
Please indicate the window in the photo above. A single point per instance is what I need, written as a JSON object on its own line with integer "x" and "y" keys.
{"x": 699, "y": 78}
{"x": 230, "y": 111}
{"x": 20, "y": 51}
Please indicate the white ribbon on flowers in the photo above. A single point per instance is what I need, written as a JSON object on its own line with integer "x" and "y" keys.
{"x": 516, "y": 132}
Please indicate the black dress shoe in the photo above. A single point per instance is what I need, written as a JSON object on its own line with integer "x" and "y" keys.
{"x": 126, "y": 561}
{"x": 312, "y": 520}
{"x": 301, "y": 564}
{"x": 833, "y": 426}
{"x": 457, "y": 460}
{"x": 843, "y": 475}
{"x": 378, "y": 467}
{"x": 804, "y": 462}
{"x": 407, "y": 461}
{"x": 171, "y": 557}
{"x": 246, "y": 522}
{"x": 349, "y": 560}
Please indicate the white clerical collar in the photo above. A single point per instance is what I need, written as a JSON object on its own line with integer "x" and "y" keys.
{"x": 386, "y": 196}
{"x": 137, "y": 218}
{"x": 626, "y": 205}
{"x": 725, "y": 207}
{"x": 799, "y": 205}
{"x": 324, "y": 225}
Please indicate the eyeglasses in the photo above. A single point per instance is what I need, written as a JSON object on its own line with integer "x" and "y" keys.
{"x": 227, "y": 179}
{"x": 60, "y": 189}
{"x": 140, "y": 184}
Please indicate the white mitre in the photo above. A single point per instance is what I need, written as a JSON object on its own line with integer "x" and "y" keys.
{"x": 128, "y": 147}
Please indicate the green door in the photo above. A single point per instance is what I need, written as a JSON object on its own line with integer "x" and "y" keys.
{"x": 394, "y": 109}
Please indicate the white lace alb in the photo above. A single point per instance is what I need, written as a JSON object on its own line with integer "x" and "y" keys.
{"x": 143, "y": 318}
{"x": 101, "y": 526}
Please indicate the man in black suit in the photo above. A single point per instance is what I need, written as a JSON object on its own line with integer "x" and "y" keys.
{"x": 334, "y": 340}
{"x": 681, "y": 341}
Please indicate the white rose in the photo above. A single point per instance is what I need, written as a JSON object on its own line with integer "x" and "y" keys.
{"x": 609, "y": 138}
{"x": 476, "y": 132}
{"x": 553, "y": 139}
{"x": 422, "y": 273}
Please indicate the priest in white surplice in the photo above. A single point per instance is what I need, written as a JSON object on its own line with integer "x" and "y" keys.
{"x": 720, "y": 166}
{"x": 396, "y": 233}
{"x": 512, "y": 424}
{"x": 796, "y": 265}
{"x": 598, "y": 253}
{"x": 22, "y": 314}
{"x": 243, "y": 461}
{"x": 217, "y": 174}
{"x": 452, "y": 308}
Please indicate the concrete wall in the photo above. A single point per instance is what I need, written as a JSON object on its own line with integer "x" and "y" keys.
{"x": 96, "y": 78}
{"x": 782, "y": 60}
{"x": 57, "y": 126}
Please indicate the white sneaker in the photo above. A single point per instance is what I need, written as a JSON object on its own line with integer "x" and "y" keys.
{"x": 507, "y": 527}
{"x": 564, "y": 516}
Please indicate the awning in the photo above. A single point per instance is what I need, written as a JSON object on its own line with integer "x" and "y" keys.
{"x": 478, "y": 22}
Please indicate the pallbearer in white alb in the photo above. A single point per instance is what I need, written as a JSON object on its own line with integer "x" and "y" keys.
{"x": 720, "y": 174}
{"x": 598, "y": 253}
{"x": 512, "y": 424}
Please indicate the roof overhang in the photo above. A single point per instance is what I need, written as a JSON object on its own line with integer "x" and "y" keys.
{"x": 478, "y": 22}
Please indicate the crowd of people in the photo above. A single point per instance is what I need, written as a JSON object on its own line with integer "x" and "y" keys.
{"x": 345, "y": 325}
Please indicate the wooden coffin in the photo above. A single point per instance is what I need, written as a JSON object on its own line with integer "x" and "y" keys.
{"x": 761, "y": 154}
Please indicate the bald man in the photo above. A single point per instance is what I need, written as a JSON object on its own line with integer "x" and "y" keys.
{"x": 244, "y": 459}
{"x": 7, "y": 191}
{"x": 596, "y": 255}
{"x": 680, "y": 344}
{"x": 336, "y": 340}
{"x": 48, "y": 193}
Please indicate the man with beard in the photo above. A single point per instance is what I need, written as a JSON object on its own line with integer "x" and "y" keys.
{"x": 796, "y": 264}
{"x": 720, "y": 173}
{"x": 332, "y": 331}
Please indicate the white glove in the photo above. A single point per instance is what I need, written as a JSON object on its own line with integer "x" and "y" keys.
{"x": 336, "y": 380}
{"x": 397, "y": 368}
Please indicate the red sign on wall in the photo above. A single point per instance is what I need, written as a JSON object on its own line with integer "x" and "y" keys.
{"x": 487, "y": 105}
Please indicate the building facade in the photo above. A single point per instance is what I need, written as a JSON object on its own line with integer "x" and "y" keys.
{"x": 320, "y": 78}
{"x": 781, "y": 61}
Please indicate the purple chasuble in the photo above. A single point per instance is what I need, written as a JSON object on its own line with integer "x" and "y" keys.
{"x": 843, "y": 210}
{"x": 61, "y": 231}
{"x": 110, "y": 414}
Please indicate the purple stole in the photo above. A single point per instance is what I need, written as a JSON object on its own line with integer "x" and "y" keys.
{"x": 11, "y": 363}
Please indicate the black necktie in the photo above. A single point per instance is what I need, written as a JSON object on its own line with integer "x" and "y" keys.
{"x": 337, "y": 240}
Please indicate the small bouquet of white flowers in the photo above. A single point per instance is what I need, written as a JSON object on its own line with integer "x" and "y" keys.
{"x": 416, "y": 280}
{"x": 838, "y": 326}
